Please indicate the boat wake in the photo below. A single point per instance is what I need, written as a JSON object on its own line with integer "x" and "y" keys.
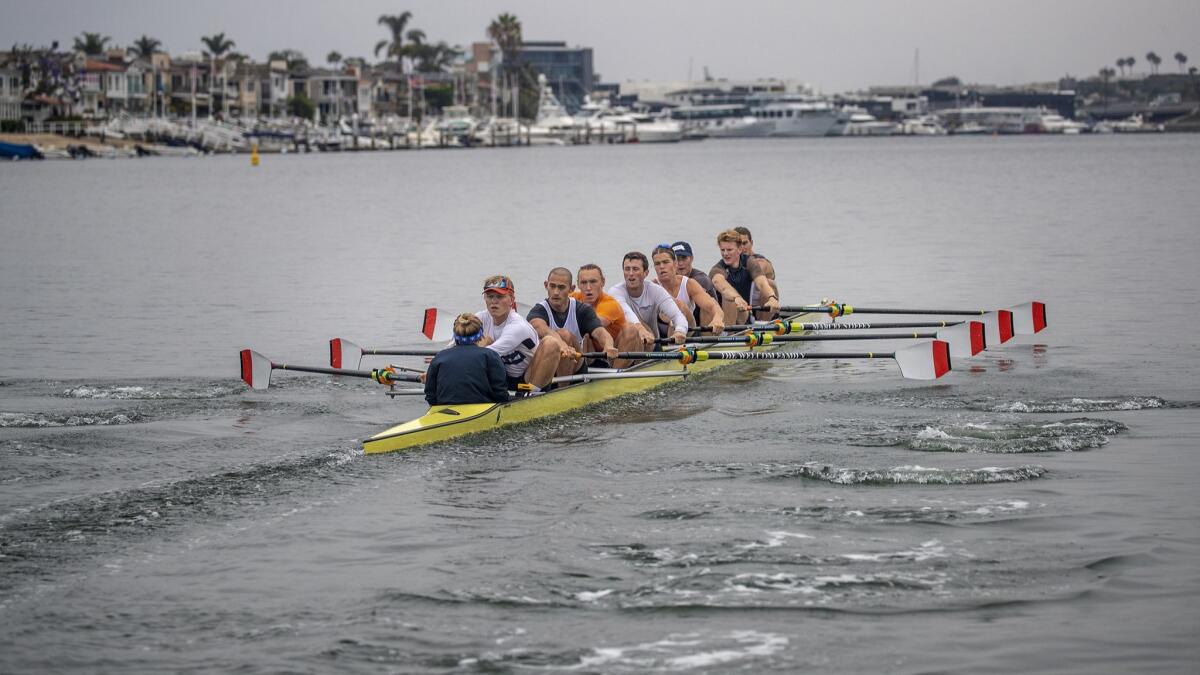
{"x": 989, "y": 437}
{"x": 899, "y": 475}
{"x": 998, "y": 404}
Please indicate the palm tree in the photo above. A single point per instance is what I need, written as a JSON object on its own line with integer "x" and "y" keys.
{"x": 1129, "y": 61}
{"x": 294, "y": 58}
{"x": 91, "y": 43}
{"x": 1121, "y": 64}
{"x": 394, "y": 48}
{"x": 1182, "y": 59}
{"x": 1105, "y": 74}
{"x": 505, "y": 31}
{"x": 146, "y": 46}
{"x": 1154, "y": 60}
{"x": 333, "y": 58}
{"x": 217, "y": 46}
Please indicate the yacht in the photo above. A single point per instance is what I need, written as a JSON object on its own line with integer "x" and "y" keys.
{"x": 457, "y": 124}
{"x": 552, "y": 126}
{"x": 720, "y": 121}
{"x": 924, "y": 125}
{"x": 1134, "y": 124}
{"x": 856, "y": 121}
{"x": 652, "y": 129}
{"x": 796, "y": 115}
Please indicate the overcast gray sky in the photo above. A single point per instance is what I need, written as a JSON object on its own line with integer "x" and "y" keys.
{"x": 836, "y": 45}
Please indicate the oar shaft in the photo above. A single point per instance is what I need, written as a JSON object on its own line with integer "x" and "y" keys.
{"x": 691, "y": 354}
{"x": 367, "y": 374}
{"x": 797, "y": 326}
{"x": 839, "y": 310}
{"x": 742, "y": 339}
{"x": 401, "y": 352}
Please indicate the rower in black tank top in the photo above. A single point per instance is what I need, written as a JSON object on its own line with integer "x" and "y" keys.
{"x": 740, "y": 277}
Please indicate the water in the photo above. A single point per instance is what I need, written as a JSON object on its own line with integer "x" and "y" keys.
{"x": 1034, "y": 511}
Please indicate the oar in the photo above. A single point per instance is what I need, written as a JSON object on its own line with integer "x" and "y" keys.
{"x": 922, "y": 361}
{"x": 256, "y": 371}
{"x": 1025, "y": 319}
{"x": 785, "y": 327}
{"x": 965, "y": 339}
{"x": 343, "y": 352}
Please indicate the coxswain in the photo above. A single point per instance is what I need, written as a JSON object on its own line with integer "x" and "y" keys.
{"x": 734, "y": 275}
{"x": 620, "y": 321}
{"x": 746, "y": 245}
{"x": 648, "y": 301}
{"x": 572, "y": 322}
{"x": 527, "y": 361}
{"x": 689, "y": 295}
{"x": 466, "y": 372}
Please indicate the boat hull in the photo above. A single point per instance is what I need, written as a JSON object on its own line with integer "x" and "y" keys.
{"x": 445, "y": 422}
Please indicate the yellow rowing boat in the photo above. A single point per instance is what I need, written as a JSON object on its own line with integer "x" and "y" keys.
{"x": 444, "y": 422}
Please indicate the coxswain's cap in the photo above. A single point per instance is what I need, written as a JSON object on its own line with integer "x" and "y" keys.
{"x": 682, "y": 248}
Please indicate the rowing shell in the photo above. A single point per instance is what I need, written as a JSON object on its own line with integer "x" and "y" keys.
{"x": 444, "y": 422}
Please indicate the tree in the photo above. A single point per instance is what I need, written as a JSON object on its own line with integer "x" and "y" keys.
{"x": 333, "y": 58}
{"x": 1105, "y": 74}
{"x": 1153, "y": 59}
{"x": 217, "y": 46}
{"x": 1129, "y": 61}
{"x": 296, "y": 60}
{"x": 1182, "y": 59}
{"x": 1121, "y": 65}
{"x": 146, "y": 46}
{"x": 301, "y": 106}
{"x": 394, "y": 48}
{"x": 91, "y": 43}
{"x": 505, "y": 31}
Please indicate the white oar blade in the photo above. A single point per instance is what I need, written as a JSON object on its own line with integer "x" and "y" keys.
{"x": 1029, "y": 318}
{"x": 924, "y": 360}
{"x": 256, "y": 369}
{"x": 438, "y": 325}
{"x": 998, "y": 326}
{"x": 966, "y": 339}
{"x": 344, "y": 354}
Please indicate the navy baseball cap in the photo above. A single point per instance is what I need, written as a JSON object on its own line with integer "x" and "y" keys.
{"x": 682, "y": 248}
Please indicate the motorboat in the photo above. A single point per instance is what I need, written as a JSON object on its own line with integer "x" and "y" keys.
{"x": 856, "y": 121}
{"x": 720, "y": 121}
{"x": 796, "y": 115}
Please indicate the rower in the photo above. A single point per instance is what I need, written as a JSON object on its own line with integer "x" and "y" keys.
{"x": 683, "y": 265}
{"x": 571, "y": 321}
{"x": 619, "y": 321}
{"x": 735, "y": 274}
{"x": 746, "y": 245}
{"x": 688, "y": 293}
{"x": 466, "y": 372}
{"x": 527, "y": 359}
{"x": 648, "y": 301}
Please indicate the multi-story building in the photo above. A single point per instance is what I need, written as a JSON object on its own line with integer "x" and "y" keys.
{"x": 568, "y": 70}
{"x": 11, "y": 93}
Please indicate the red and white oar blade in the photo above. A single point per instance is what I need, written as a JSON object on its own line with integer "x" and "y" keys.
{"x": 998, "y": 326}
{"x": 438, "y": 325}
{"x": 344, "y": 354}
{"x": 924, "y": 360}
{"x": 966, "y": 339}
{"x": 256, "y": 369}
{"x": 1029, "y": 318}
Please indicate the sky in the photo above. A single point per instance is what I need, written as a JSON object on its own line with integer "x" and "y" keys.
{"x": 834, "y": 45}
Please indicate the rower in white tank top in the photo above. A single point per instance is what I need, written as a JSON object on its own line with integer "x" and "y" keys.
{"x": 571, "y": 323}
{"x": 682, "y": 294}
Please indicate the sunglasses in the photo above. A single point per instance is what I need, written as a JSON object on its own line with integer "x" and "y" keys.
{"x": 502, "y": 284}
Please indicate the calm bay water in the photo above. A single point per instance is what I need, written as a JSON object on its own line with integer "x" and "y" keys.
{"x": 1035, "y": 511}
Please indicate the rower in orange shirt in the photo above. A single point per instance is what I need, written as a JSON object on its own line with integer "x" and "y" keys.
{"x": 620, "y": 321}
